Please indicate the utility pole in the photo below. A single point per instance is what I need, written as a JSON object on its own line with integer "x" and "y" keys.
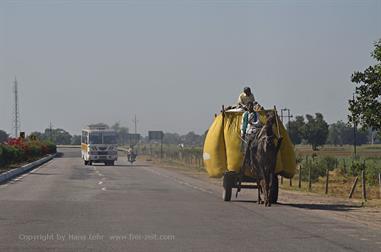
{"x": 289, "y": 116}
{"x": 16, "y": 119}
{"x": 135, "y": 123}
{"x": 354, "y": 132}
{"x": 136, "y": 130}
{"x": 281, "y": 115}
{"x": 51, "y": 131}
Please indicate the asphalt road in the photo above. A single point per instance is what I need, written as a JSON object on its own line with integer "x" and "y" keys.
{"x": 66, "y": 206}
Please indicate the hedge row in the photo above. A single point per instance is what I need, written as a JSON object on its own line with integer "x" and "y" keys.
{"x": 16, "y": 151}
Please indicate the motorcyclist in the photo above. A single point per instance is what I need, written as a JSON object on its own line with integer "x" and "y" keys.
{"x": 131, "y": 156}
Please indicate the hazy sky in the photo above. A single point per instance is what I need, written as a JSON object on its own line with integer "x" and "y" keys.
{"x": 174, "y": 63}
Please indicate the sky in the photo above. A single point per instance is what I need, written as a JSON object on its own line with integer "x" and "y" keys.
{"x": 173, "y": 64}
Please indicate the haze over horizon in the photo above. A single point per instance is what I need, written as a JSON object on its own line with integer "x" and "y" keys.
{"x": 174, "y": 63}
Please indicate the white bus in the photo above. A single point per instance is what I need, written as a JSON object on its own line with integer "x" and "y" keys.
{"x": 99, "y": 145}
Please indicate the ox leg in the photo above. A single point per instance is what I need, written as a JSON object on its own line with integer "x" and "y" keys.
{"x": 263, "y": 191}
{"x": 271, "y": 178}
{"x": 266, "y": 192}
{"x": 259, "y": 193}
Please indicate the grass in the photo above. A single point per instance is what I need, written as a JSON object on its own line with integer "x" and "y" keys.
{"x": 343, "y": 175}
{"x": 340, "y": 151}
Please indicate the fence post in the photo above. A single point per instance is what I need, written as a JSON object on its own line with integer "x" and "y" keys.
{"x": 353, "y": 187}
{"x": 291, "y": 182}
{"x": 363, "y": 182}
{"x": 300, "y": 176}
{"x": 379, "y": 183}
{"x": 281, "y": 180}
{"x": 326, "y": 181}
{"x": 309, "y": 178}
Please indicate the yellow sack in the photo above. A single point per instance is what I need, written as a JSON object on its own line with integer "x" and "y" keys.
{"x": 214, "y": 149}
{"x": 232, "y": 133}
{"x": 233, "y": 142}
{"x": 222, "y": 147}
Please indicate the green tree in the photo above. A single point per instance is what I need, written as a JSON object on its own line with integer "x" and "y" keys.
{"x": 335, "y": 133}
{"x": 342, "y": 133}
{"x": 316, "y": 130}
{"x": 171, "y": 138}
{"x": 3, "y": 136}
{"x": 365, "y": 108}
{"x": 122, "y": 133}
{"x": 295, "y": 130}
{"x": 192, "y": 139}
{"x": 39, "y": 135}
{"x": 58, "y": 136}
{"x": 75, "y": 140}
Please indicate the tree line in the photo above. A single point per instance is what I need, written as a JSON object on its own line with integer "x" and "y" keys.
{"x": 314, "y": 130}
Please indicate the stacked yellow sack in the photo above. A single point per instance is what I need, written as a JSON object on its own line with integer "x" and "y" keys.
{"x": 222, "y": 147}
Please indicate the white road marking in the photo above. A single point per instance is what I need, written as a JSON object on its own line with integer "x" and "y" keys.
{"x": 103, "y": 188}
{"x": 100, "y": 182}
{"x": 364, "y": 239}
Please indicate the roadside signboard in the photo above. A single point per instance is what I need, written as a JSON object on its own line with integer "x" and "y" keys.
{"x": 155, "y": 135}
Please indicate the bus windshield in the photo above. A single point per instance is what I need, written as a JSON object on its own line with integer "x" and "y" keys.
{"x": 109, "y": 138}
{"x": 102, "y": 138}
{"x": 95, "y": 138}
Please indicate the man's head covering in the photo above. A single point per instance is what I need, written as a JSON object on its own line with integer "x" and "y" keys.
{"x": 258, "y": 107}
{"x": 246, "y": 89}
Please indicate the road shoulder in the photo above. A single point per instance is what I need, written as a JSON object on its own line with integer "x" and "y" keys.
{"x": 348, "y": 210}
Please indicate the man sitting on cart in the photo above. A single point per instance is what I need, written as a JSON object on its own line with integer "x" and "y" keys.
{"x": 245, "y": 98}
{"x": 250, "y": 127}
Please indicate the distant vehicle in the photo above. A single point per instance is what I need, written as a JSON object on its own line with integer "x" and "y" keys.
{"x": 131, "y": 155}
{"x": 99, "y": 145}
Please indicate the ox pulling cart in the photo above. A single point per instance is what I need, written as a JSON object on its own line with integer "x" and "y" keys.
{"x": 223, "y": 155}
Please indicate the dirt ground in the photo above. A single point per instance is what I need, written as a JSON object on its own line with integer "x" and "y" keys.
{"x": 352, "y": 210}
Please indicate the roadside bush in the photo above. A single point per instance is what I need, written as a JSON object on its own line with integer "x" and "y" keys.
{"x": 318, "y": 167}
{"x": 316, "y": 171}
{"x": 328, "y": 163}
{"x": 51, "y": 148}
{"x": 356, "y": 168}
{"x": 19, "y": 150}
{"x": 10, "y": 154}
{"x": 372, "y": 169}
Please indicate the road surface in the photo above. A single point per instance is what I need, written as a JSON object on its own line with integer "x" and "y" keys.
{"x": 66, "y": 206}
